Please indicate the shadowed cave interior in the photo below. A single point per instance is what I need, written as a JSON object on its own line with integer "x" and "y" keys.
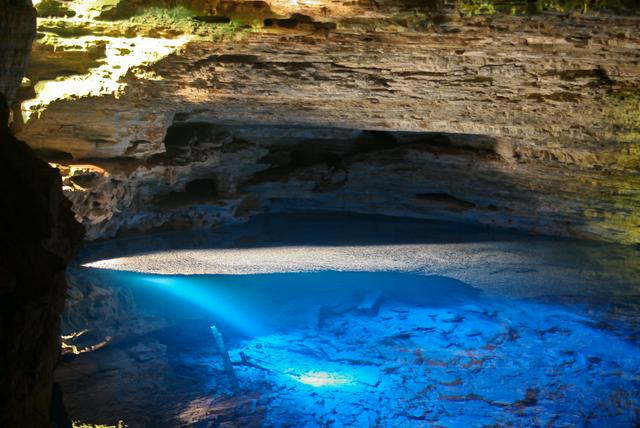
{"x": 319, "y": 213}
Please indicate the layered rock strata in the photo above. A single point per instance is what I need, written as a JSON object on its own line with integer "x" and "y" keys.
{"x": 526, "y": 121}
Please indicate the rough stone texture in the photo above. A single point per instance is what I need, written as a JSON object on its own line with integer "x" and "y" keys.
{"x": 97, "y": 315}
{"x": 37, "y": 236}
{"x": 17, "y": 23}
{"x": 521, "y": 121}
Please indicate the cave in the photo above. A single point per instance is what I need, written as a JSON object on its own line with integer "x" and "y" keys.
{"x": 319, "y": 213}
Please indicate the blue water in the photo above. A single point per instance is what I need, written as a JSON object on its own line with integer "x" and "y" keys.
{"x": 541, "y": 332}
{"x": 266, "y": 303}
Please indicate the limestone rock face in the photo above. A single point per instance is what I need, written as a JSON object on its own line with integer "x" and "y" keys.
{"x": 525, "y": 121}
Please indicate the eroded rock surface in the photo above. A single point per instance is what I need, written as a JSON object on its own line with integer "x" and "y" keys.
{"x": 17, "y": 31}
{"x": 526, "y": 121}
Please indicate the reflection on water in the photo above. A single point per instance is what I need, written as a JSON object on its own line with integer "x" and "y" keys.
{"x": 514, "y": 331}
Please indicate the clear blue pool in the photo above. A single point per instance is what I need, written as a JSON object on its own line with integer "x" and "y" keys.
{"x": 334, "y": 320}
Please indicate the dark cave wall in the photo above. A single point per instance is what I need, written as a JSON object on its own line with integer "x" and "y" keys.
{"x": 17, "y": 31}
{"x": 38, "y": 235}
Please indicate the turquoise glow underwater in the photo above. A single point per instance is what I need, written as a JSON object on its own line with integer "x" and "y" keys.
{"x": 413, "y": 348}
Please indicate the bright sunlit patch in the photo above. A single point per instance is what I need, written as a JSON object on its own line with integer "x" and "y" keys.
{"x": 122, "y": 55}
{"x": 90, "y": 9}
{"x": 233, "y": 261}
{"x": 319, "y": 379}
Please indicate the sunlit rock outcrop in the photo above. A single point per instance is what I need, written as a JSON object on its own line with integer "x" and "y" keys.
{"x": 526, "y": 120}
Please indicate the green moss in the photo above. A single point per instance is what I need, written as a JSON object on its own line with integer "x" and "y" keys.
{"x": 624, "y": 114}
{"x": 629, "y": 157}
{"x": 53, "y": 8}
{"x": 176, "y": 15}
{"x": 182, "y": 20}
{"x": 78, "y": 424}
{"x": 617, "y": 193}
{"x": 621, "y": 158}
{"x": 519, "y": 7}
{"x": 66, "y": 29}
{"x": 585, "y": 5}
{"x": 477, "y": 7}
{"x": 157, "y": 22}
{"x": 627, "y": 220}
{"x": 438, "y": 12}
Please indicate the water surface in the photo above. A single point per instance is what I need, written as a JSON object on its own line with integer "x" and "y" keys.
{"x": 349, "y": 320}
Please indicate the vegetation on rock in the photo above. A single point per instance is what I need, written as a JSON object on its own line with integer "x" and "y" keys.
{"x": 53, "y": 8}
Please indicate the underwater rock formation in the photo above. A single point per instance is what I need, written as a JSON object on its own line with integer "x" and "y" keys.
{"x": 527, "y": 121}
{"x": 360, "y": 321}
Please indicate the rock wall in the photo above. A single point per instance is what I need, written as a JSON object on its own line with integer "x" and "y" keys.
{"x": 527, "y": 120}
{"x": 37, "y": 237}
{"x": 17, "y": 24}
